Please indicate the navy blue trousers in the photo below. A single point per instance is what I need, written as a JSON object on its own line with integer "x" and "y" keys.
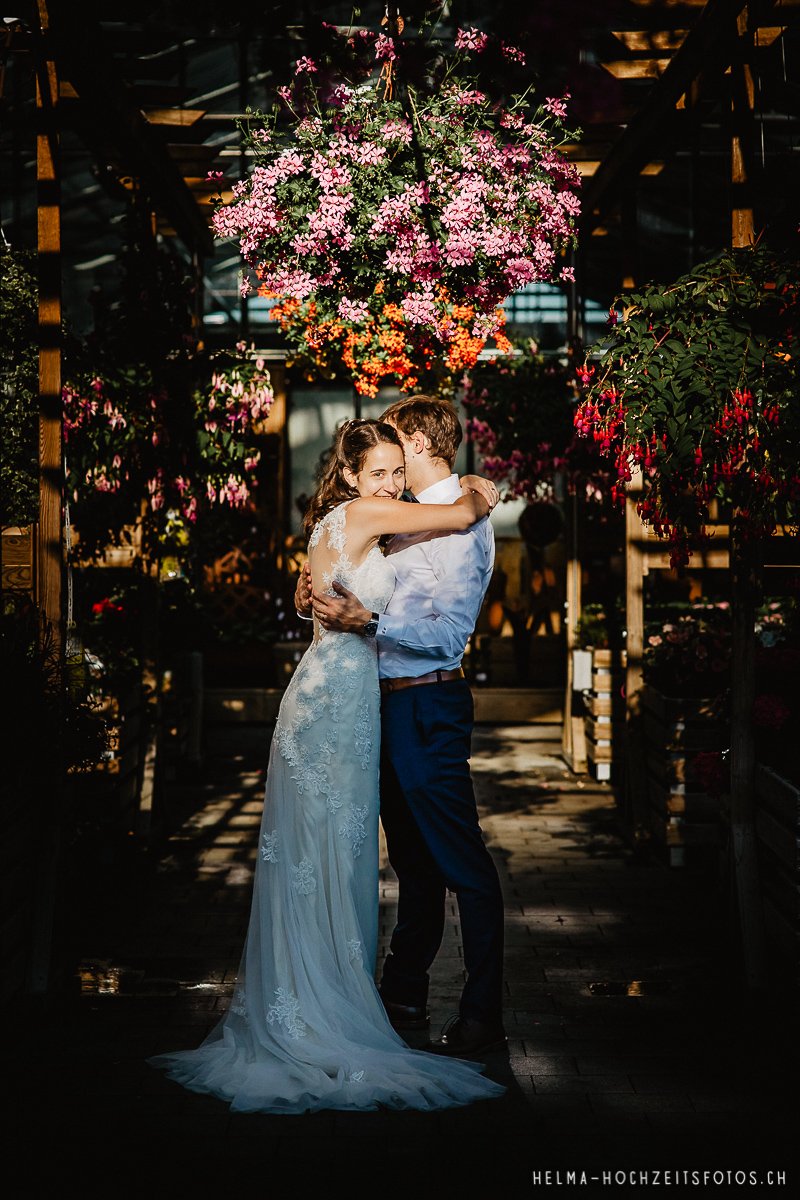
{"x": 435, "y": 844}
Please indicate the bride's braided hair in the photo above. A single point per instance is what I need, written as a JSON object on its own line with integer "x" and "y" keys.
{"x": 351, "y": 445}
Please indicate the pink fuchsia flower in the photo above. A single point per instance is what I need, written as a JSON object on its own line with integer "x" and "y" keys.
{"x": 513, "y": 53}
{"x": 305, "y": 66}
{"x": 235, "y": 492}
{"x": 285, "y": 94}
{"x": 189, "y": 509}
{"x": 384, "y": 48}
{"x": 471, "y": 39}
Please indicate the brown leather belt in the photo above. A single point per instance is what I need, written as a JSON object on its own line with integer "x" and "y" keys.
{"x": 405, "y": 681}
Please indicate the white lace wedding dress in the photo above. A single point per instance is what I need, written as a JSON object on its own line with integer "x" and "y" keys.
{"x": 306, "y": 1028}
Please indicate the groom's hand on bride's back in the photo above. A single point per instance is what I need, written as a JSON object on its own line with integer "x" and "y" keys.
{"x": 343, "y": 612}
{"x": 302, "y": 593}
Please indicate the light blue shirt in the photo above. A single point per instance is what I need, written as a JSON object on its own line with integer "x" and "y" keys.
{"x": 441, "y": 582}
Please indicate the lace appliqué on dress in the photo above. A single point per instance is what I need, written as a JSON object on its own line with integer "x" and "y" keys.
{"x": 269, "y": 851}
{"x": 286, "y": 1011}
{"x": 362, "y": 735}
{"x": 336, "y": 534}
{"x": 303, "y": 880}
{"x": 354, "y": 829}
{"x": 238, "y": 1005}
{"x": 354, "y": 952}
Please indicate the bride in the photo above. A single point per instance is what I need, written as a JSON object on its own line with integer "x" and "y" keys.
{"x": 306, "y": 1028}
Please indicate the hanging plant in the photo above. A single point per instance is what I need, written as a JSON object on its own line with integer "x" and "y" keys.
{"x": 383, "y": 349}
{"x": 135, "y": 461}
{"x": 425, "y": 197}
{"x": 698, "y": 385}
{"x": 521, "y": 407}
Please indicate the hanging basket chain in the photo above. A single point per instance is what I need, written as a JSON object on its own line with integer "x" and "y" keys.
{"x": 394, "y": 78}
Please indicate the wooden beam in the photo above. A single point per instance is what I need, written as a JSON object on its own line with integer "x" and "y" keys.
{"x": 110, "y": 113}
{"x": 742, "y": 105}
{"x": 709, "y": 46}
{"x": 49, "y": 555}
{"x": 174, "y": 116}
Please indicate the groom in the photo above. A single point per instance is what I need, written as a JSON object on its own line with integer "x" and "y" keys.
{"x": 428, "y": 805}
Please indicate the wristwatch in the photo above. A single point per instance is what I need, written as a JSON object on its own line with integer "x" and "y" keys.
{"x": 370, "y": 627}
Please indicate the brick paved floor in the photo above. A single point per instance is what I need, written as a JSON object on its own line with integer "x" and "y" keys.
{"x": 686, "y": 1076}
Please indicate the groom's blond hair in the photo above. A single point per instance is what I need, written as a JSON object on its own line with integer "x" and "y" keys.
{"x": 436, "y": 419}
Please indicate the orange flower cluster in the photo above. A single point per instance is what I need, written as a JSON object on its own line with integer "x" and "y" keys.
{"x": 384, "y": 349}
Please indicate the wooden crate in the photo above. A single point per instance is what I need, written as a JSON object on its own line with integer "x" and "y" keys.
{"x": 603, "y": 721}
{"x": 686, "y": 822}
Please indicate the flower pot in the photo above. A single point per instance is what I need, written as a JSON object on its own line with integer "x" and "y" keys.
{"x": 686, "y": 822}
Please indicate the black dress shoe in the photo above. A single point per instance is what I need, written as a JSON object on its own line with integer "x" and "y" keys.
{"x": 406, "y": 1016}
{"x": 462, "y": 1036}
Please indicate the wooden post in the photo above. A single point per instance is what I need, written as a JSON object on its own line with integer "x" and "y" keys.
{"x": 572, "y": 753}
{"x": 49, "y": 555}
{"x": 635, "y": 788}
{"x": 49, "y": 572}
{"x": 742, "y": 101}
{"x": 744, "y": 568}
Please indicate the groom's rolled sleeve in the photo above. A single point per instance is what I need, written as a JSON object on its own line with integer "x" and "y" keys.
{"x": 453, "y": 606}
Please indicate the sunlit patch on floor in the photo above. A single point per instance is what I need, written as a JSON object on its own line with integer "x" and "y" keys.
{"x": 101, "y": 977}
{"x": 634, "y": 987}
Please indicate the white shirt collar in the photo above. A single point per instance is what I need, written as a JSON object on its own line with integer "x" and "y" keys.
{"x": 441, "y": 492}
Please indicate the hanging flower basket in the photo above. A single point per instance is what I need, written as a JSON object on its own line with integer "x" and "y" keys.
{"x": 698, "y": 386}
{"x": 142, "y": 464}
{"x": 383, "y": 349}
{"x": 375, "y": 192}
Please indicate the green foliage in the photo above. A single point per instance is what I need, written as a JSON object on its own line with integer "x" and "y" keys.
{"x": 19, "y": 386}
{"x": 698, "y": 385}
{"x": 521, "y": 408}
